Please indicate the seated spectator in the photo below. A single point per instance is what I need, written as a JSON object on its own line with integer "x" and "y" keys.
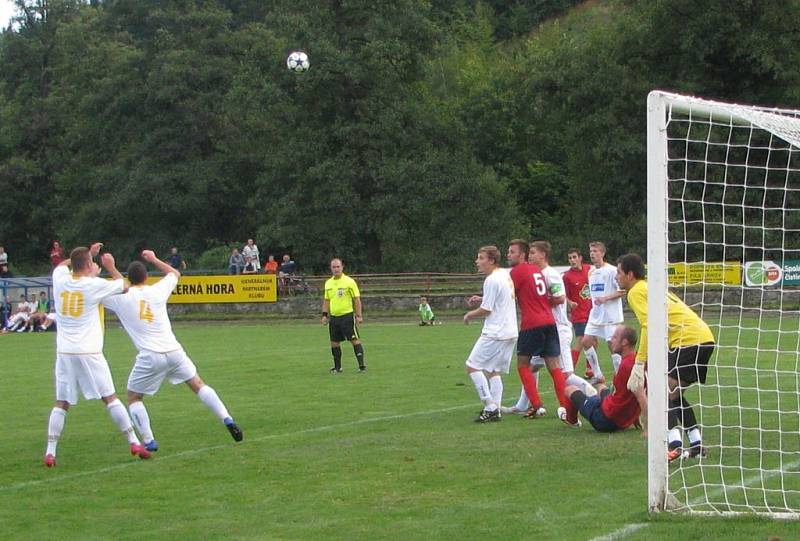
{"x": 3, "y": 256}
{"x": 4, "y": 272}
{"x": 270, "y": 265}
{"x": 44, "y": 305}
{"x": 5, "y": 307}
{"x": 249, "y": 266}
{"x": 19, "y": 319}
{"x": 250, "y": 249}
{"x": 235, "y": 262}
{"x": 288, "y": 267}
{"x": 56, "y": 254}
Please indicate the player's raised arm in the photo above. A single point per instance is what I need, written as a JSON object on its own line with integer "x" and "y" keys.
{"x": 150, "y": 257}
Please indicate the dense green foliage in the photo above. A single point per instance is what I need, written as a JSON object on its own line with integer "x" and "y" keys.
{"x": 422, "y": 130}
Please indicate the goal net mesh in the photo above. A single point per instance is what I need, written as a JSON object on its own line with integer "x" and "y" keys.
{"x": 733, "y": 248}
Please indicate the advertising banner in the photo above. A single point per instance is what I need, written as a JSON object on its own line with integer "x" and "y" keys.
{"x": 684, "y": 274}
{"x": 770, "y": 273}
{"x": 226, "y": 288}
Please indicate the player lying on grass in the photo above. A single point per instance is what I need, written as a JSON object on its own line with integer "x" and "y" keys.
{"x": 612, "y": 411}
{"x": 143, "y": 313}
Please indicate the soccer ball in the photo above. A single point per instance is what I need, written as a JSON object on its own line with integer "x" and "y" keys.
{"x": 297, "y": 61}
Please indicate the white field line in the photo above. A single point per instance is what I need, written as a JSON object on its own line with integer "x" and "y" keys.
{"x": 192, "y": 452}
{"x": 716, "y": 491}
{"x": 621, "y": 533}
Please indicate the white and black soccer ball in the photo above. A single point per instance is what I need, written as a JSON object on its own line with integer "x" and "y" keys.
{"x": 297, "y": 62}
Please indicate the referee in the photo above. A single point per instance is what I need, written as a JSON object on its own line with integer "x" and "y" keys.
{"x": 341, "y": 299}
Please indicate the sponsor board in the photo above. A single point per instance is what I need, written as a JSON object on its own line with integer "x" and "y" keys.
{"x": 723, "y": 272}
{"x": 770, "y": 273}
{"x": 220, "y": 289}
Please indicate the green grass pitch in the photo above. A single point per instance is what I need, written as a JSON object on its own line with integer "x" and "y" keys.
{"x": 390, "y": 454}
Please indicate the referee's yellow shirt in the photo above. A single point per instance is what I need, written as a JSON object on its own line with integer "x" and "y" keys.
{"x": 685, "y": 327}
{"x": 340, "y": 293}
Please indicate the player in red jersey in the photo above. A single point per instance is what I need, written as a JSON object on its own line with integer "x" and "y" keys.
{"x": 579, "y": 303}
{"x": 538, "y": 333}
{"x": 607, "y": 411}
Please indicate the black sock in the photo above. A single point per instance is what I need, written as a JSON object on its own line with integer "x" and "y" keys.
{"x": 673, "y": 413}
{"x": 359, "y": 351}
{"x": 689, "y": 420}
{"x": 337, "y": 357}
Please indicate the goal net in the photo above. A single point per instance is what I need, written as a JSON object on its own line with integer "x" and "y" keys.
{"x": 724, "y": 235}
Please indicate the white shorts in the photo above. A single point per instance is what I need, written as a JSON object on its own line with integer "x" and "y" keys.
{"x": 492, "y": 355}
{"x": 605, "y": 331}
{"x": 86, "y": 373}
{"x": 151, "y": 368}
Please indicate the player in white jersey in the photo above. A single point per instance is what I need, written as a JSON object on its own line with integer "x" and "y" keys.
{"x": 539, "y": 255}
{"x": 491, "y": 355}
{"x": 606, "y": 311}
{"x": 143, "y": 313}
{"x": 80, "y": 364}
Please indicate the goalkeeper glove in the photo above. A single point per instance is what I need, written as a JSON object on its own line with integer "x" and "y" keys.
{"x": 636, "y": 379}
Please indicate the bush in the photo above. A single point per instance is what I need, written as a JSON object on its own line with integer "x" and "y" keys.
{"x": 214, "y": 259}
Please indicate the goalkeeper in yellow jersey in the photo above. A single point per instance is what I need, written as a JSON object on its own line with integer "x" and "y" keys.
{"x": 690, "y": 347}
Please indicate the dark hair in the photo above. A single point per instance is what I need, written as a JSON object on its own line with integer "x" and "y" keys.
{"x": 632, "y": 263}
{"x": 137, "y": 273}
{"x": 574, "y": 251}
{"x": 80, "y": 258}
{"x": 630, "y": 335}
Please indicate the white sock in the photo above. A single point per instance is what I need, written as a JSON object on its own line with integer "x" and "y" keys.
{"x": 482, "y": 386}
{"x": 496, "y": 390}
{"x": 616, "y": 360}
{"x": 523, "y": 403}
{"x": 123, "y": 420}
{"x": 594, "y": 362}
{"x": 694, "y": 436}
{"x": 141, "y": 420}
{"x": 582, "y": 384}
{"x": 54, "y": 428}
{"x": 209, "y": 397}
{"x": 675, "y": 436}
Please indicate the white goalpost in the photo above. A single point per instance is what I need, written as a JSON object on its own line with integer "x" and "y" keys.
{"x": 723, "y": 230}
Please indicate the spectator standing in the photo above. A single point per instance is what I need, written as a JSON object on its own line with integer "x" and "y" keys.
{"x": 4, "y": 272}
{"x": 271, "y": 266}
{"x": 235, "y": 262}
{"x": 250, "y": 249}
{"x": 56, "y": 254}
{"x": 3, "y": 256}
{"x": 175, "y": 259}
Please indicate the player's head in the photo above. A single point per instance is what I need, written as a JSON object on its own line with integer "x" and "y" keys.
{"x": 336, "y": 266}
{"x": 597, "y": 252}
{"x": 630, "y": 269}
{"x": 539, "y": 253}
{"x": 624, "y": 339}
{"x": 81, "y": 260}
{"x": 517, "y": 252}
{"x": 488, "y": 259}
{"x": 137, "y": 273}
{"x": 575, "y": 258}
{"x": 43, "y": 294}
{"x": 423, "y": 299}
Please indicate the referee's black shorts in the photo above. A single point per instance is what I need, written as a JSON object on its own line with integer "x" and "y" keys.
{"x": 343, "y": 328}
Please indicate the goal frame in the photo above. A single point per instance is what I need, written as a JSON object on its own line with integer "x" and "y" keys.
{"x": 659, "y": 106}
